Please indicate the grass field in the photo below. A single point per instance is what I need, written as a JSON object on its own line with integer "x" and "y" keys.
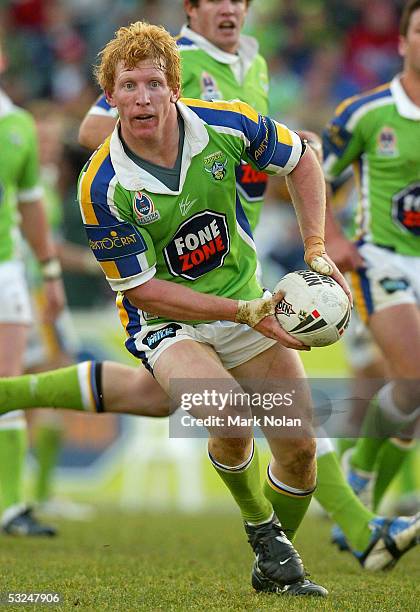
{"x": 178, "y": 562}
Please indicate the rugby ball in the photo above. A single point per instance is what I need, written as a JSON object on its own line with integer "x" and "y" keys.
{"x": 315, "y": 308}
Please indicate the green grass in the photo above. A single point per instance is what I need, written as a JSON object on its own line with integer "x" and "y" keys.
{"x": 173, "y": 562}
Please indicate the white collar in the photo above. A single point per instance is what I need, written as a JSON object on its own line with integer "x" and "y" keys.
{"x": 405, "y": 106}
{"x": 6, "y": 105}
{"x": 247, "y": 50}
{"x": 134, "y": 178}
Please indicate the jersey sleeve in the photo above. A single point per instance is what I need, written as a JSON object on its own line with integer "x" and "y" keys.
{"x": 102, "y": 108}
{"x": 29, "y": 187}
{"x": 270, "y": 145}
{"x": 124, "y": 251}
{"x": 342, "y": 141}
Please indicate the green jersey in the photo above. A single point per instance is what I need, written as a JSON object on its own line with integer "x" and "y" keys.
{"x": 378, "y": 132}
{"x": 19, "y": 172}
{"x": 197, "y": 236}
{"x": 209, "y": 73}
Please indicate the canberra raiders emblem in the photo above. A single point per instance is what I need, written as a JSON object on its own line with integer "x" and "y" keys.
{"x": 215, "y": 164}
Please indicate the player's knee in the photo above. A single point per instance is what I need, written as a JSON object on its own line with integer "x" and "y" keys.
{"x": 229, "y": 451}
{"x": 300, "y": 457}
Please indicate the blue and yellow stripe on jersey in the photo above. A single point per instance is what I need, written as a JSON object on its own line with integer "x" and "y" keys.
{"x": 267, "y": 142}
{"x": 106, "y": 233}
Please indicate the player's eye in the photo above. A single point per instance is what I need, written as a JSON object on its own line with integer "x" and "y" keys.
{"x": 154, "y": 84}
{"x": 129, "y": 85}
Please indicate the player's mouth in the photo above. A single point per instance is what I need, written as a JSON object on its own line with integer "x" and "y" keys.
{"x": 227, "y": 25}
{"x": 143, "y": 118}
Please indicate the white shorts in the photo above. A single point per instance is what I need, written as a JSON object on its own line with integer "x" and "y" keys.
{"x": 389, "y": 279}
{"x": 359, "y": 345}
{"x": 15, "y": 305}
{"x": 234, "y": 343}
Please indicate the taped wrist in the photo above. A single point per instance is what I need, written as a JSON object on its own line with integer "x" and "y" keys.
{"x": 251, "y": 312}
{"x": 314, "y": 252}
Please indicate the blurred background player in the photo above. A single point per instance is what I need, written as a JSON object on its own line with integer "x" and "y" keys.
{"x": 377, "y": 132}
{"x": 52, "y": 344}
{"x": 21, "y": 208}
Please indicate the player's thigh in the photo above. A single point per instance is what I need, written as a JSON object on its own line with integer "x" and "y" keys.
{"x": 190, "y": 370}
{"x": 397, "y": 332}
{"x": 281, "y": 398}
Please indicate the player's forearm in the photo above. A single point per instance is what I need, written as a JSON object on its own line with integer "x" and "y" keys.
{"x": 94, "y": 129}
{"x": 35, "y": 228}
{"x": 307, "y": 188}
{"x": 174, "y": 301}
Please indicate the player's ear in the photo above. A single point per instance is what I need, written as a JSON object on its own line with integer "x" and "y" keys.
{"x": 402, "y": 46}
{"x": 110, "y": 98}
{"x": 175, "y": 95}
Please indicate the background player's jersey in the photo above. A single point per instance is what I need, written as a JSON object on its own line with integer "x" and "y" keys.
{"x": 19, "y": 171}
{"x": 197, "y": 236}
{"x": 379, "y": 133}
{"x": 209, "y": 73}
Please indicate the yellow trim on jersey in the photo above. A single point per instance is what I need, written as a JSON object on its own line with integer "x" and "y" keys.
{"x": 283, "y": 134}
{"x": 359, "y": 298}
{"x": 110, "y": 269}
{"x": 87, "y": 180}
{"x": 233, "y": 107}
{"x": 343, "y": 105}
{"x": 279, "y": 490}
{"x": 122, "y": 313}
{"x": 91, "y": 394}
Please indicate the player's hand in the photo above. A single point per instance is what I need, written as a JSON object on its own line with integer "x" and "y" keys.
{"x": 54, "y": 299}
{"x": 271, "y": 328}
{"x": 338, "y": 277}
{"x": 345, "y": 254}
{"x": 318, "y": 260}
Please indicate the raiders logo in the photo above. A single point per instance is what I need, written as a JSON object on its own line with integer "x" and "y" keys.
{"x": 199, "y": 245}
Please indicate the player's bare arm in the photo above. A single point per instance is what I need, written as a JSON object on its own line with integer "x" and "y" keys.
{"x": 35, "y": 229}
{"x": 307, "y": 189}
{"x": 94, "y": 129}
{"x": 182, "y": 303}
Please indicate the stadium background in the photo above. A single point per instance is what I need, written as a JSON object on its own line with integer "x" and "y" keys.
{"x": 318, "y": 53}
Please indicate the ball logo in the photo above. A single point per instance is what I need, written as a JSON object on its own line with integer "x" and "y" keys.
{"x": 199, "y": 245}
{"x": 144, "y": 208}
{"x": 285, "y": 308}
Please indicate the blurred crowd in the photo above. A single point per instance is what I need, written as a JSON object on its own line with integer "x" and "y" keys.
{"x": 318, "y": 51}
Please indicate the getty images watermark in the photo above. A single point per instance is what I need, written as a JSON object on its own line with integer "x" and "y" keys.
{"x": 332, "y": 407}
{"x": 222, "y": 401}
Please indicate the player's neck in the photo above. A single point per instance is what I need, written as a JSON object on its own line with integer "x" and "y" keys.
{"x": 410, "y": 81}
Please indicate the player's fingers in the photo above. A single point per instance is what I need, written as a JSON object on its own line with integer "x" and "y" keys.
{"x": 321, "y": 265}
{"x": 277, "y": 297}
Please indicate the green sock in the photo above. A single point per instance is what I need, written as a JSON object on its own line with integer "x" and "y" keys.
{"x": 392, "y": 456}
{"x": 245, "y": 486}
{"x": 367, "y": 448}
{"x": 290, "y": 504}
{"x": 338, "y": 499}
{"x": 343, "y": 444}
{"x": 74, "y": 387}
{"x": 13, "y": 446}
{"x": 47, "y": 446}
